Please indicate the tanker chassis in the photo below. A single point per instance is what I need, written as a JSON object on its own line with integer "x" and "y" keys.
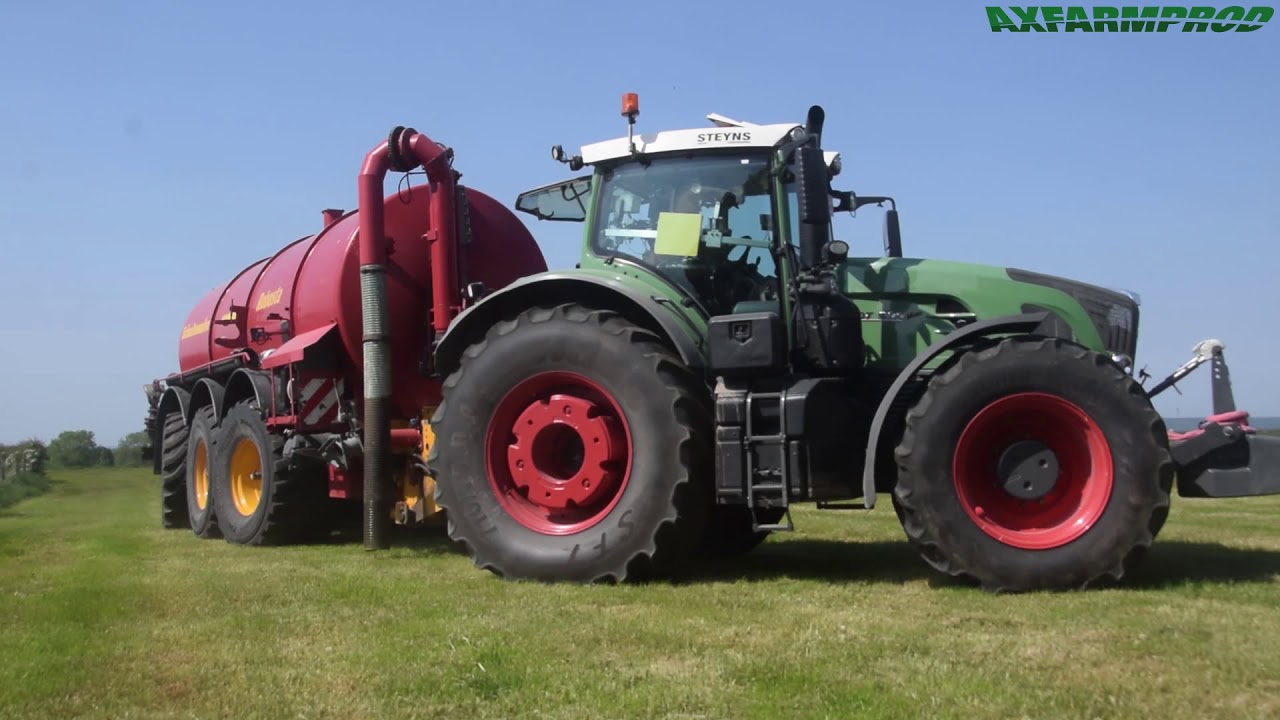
{"x": 715, "y": 357}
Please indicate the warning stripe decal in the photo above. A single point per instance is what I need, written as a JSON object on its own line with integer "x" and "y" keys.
{"x": 319, "y": 401}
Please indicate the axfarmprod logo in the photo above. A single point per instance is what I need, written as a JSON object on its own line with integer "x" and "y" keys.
{"x": 1128, "y": 18}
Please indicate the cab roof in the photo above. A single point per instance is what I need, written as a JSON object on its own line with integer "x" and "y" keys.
{"x": 724, "y": 133}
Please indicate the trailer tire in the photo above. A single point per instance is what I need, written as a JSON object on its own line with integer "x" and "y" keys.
{"x": 201, "y": 447}
{"x": 1087, "y": 476}
{"x": 173, "y": 472}
{"x": 259, "y": 499}
{"x": 627, "y": 499}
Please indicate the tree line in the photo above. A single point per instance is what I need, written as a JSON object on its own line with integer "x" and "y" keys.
{"x": 79, "y": 448}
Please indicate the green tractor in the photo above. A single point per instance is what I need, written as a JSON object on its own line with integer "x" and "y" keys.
{"x": 716, "y": 357}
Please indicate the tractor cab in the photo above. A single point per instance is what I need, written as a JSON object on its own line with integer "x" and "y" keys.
{"x": 707, "y": 222}
{"x": 709, "y": 210}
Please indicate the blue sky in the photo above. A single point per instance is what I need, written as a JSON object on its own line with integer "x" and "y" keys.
{"x": 150, "y": 150}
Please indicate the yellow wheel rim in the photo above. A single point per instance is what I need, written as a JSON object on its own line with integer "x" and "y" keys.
{"x": 246, "y": 476}
{"x": 202, "y": 476}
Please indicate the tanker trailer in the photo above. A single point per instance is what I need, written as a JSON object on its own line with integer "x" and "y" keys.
{"x": 309, "y": 371}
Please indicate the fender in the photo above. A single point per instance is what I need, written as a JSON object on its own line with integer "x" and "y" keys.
{"x": 206, "y": 392}
{"x": 244, "y": 385}
{"x": 174, "y": 399}
{"x": 555, "y": 287}
{"x": 1010, "y": 324}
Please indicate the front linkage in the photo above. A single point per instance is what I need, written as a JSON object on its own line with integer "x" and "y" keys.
{"x": 1224, "y": 456}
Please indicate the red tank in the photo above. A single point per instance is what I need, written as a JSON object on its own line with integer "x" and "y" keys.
{"x": 315, "y": 281}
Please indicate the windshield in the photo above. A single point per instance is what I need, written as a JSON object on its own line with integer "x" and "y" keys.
{"x": 705, "y": 223}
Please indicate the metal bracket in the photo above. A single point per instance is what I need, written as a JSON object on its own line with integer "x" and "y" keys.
{"x": 1203, "y": 352}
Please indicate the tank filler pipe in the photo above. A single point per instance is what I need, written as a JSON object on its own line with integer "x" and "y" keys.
{"x": 410, "y": 150}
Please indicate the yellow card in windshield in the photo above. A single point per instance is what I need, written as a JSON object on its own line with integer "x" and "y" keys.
{"x": 678, "y": 234}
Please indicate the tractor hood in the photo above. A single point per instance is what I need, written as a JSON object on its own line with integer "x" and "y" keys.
{"x": 943, "y": 295}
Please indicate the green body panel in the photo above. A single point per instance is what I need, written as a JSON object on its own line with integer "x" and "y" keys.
{"x": 908, "y": 304}
{"x": 911, "y": 303}
{"x": 645, "y": 282}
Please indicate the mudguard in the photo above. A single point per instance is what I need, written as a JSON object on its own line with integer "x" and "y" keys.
{"x": 247, "y": 384}
{"x": 1009, "y": 325}
{"x": 174, "y": 399}
{"x": 206, "y": 392}
{"x": 646, "y": 309}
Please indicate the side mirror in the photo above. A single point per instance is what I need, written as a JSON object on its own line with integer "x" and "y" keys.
{"x": 836, "y": 251}
{"x": 892, "y": 234}
{"x": 812, "y": 186}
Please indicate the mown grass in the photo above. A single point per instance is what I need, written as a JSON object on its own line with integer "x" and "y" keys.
{"x": 105, "y": 615}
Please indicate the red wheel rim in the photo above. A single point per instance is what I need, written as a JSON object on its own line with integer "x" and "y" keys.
{"x": 558, "y": 453}
{"x": 1083, "y": 481}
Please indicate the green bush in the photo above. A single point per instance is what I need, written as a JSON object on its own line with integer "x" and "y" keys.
{"x": 76, "y": 449}
{"x": 129, "y": 452}
{"x": 23, "y": 486}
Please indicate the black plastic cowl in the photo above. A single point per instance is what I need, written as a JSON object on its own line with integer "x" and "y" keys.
{"x": 1114, "y": 314}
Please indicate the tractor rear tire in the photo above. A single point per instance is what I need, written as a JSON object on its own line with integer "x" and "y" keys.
{"x": 259, "y": 499}
{"x": 1033, "y": 464}
{"x": 173, "y": 472}
{"x": 201, "y": 449}
{"x": 572, "y": 445}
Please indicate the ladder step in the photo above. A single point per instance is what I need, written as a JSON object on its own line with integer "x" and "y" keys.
{"x": 785, "y": 526}
{"x": 768, "y": 487}
{"x": 788, "y": 527}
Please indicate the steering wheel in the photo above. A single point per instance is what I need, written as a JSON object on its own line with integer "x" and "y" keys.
{"x": 743, "y": 277}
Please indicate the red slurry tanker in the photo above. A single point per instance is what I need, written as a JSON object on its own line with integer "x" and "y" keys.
{"x": 271, "y": 363}
{"x": 715, "y": 357}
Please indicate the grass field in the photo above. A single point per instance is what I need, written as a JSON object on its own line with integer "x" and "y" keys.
{"x": 105, "y": 615}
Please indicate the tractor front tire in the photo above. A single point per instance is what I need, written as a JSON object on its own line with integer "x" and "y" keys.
{"x": 258, "y": 498}
{"x": 572, "y": 445}
{"x": 201, "y": 448}
{"x": 1033, "y": 464}
{"x": 173, "y": 472}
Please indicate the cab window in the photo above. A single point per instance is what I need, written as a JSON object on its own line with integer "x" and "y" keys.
{"x": 705, "y": 223}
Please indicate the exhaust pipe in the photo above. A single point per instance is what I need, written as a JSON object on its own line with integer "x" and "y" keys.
{"x": 403, "y": 151}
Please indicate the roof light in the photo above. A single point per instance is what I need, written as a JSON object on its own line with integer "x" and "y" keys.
{"x": 630, "y": 105}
